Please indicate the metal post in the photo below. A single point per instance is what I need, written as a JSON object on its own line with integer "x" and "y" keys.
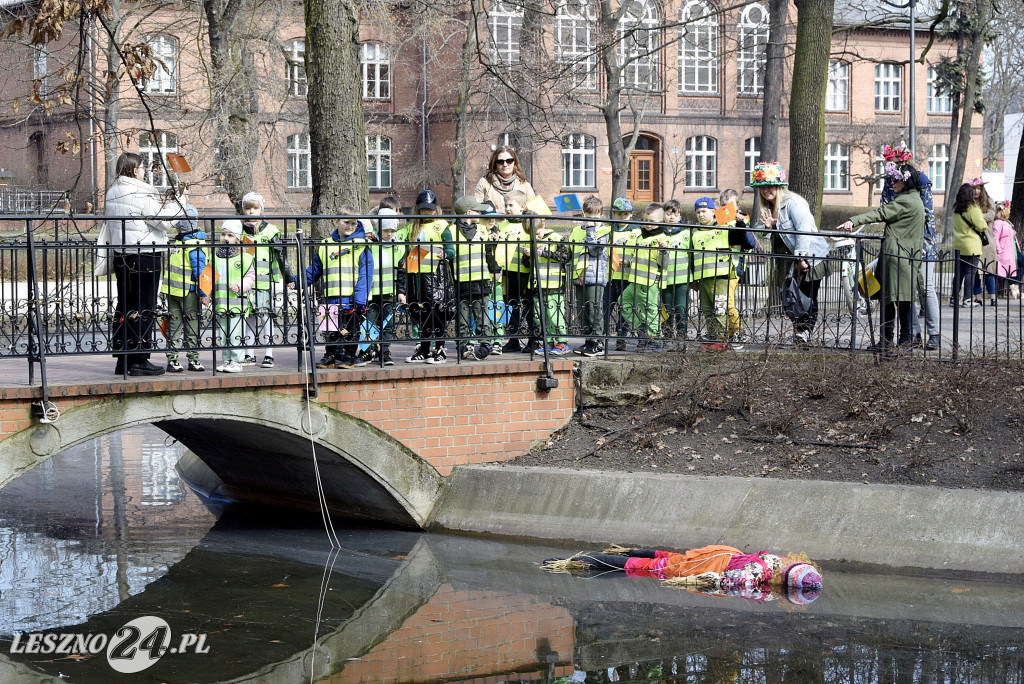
{"x": 957, "y": 286}
{"x": 913, "y": 92}
{"x": 548, "y": 381}
{"x": 34, "y": 324}
{"x": 305, "y": 313}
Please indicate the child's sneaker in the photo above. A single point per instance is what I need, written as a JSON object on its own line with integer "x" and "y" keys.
{"x": 248, "y": 361}
{"x": 326, "y": 362}
{"x": 345, "y": 362}
{"x": 558, "y": 349}
{"x": 268, "y": 362}
{"x": 388, "y": 361}
{"x": 173, "y": 366}
{"x": 195, "y": 366}
{"x": 230, "y": 367}
{"x": 483, "y": 351}
{"x": 421, "y": 355}
{"x": 620, "y": 345}
{"x": 468, "y": 352}
{"x": 496, "y": 350}
{"x": 589, "y": 349}
{"x": 365, "y": 358}
{"x": 440, "y": 356}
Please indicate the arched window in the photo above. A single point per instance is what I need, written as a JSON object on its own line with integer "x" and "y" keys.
{"x": 888, "y": 87}
{"x": 837, "y": 93}
{"x": 837, "y": 167}
{"x": 299, "y": 162}
{"x": 701, "y": 161}
{"x": 938, "y": 166}
{"x": 698, "y": 48}
{"x": 376, "y": 65}
{"x": 939, "y": 101}
{"x": 295, "y": 67}
{"x": 751, "y": 155}
{"x": 165, "y": 56}
{"x": 378, "y": 161}
{"x": 578, "y": 161}
{"x": 753, "y": 37}
{"x": 575, "y": 46}
{"x": 153, "y": 151}
{"x": 638, "y": 45}
{"x": 505, "y": 20}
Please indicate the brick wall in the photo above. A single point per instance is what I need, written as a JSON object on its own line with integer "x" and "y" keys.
{"x": 472, "y": 636}
{"x": 449, "y": 415}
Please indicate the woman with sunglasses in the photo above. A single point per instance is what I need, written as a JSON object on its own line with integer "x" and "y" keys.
{"x": 502, "y": 177}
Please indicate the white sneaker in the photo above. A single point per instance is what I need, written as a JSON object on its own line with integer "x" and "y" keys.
{"x": 230, "y": 367}
{"x": 469, "y": 352}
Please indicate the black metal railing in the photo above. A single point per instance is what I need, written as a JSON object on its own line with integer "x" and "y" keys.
{"x": 51, "y": 304}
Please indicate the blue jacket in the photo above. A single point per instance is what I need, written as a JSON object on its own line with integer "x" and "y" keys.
{"x": 316, "y": 270}
{"x": 196, "y": 256}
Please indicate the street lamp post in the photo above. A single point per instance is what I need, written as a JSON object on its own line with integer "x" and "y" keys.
{"x": 911, "y": 4}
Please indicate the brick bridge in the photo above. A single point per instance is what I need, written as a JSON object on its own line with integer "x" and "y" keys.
{"x": 384, "y": 439}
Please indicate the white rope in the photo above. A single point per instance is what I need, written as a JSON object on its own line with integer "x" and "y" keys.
{"x": 324, "y": 587}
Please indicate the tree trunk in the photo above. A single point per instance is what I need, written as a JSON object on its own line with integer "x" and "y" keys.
{"x": 462, "y": 101}
{"x": 1017, "y": 200}
{"x": 337, "y": 129}
{"x": 618, "y": 149}
{"x": 111, "y": 99}
{"x": 810, "y": 81}
{"x": 775, "y": 55}
{"x": 979, "y": 26}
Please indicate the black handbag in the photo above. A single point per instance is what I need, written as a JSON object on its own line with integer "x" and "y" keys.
{"x": 795, "y": 303}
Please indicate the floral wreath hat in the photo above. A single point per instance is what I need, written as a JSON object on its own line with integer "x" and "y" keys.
{"x": 768, "y": 173}
{"x": 896, "y": 159}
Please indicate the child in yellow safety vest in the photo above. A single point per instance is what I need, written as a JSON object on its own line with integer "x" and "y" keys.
{"x": 548, "y": 270}
{"x": 519, "y": 300}
{"x": 234, "y": 275}
{"x": 431, "y": 299}
{"x": 711, "y": 271}
{"x": 346, "y": 267}
{"x": 675, "y": 271}
{"x": 388, "y": 291}
{"x": 740, "y": 239}
{"x": 640, "y": 300}
{"x": 622, "y": 210}
{"x": 474, "y": 264}
{"x": 590, "y": 241}
{"x": 185, "y": 262}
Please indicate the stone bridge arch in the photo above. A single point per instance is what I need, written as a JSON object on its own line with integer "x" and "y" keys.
{"x": 260, "y": 446}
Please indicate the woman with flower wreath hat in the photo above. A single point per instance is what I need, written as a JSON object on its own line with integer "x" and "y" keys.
{"x": 899, "y": 262}
{"x": 788, "y": 212}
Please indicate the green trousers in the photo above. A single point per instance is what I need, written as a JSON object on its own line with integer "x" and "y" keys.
{"x": 641, "y": 307}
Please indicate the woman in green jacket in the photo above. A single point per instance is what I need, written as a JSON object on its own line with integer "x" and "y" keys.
{"x": 900, "y": 262}
{"x": 968, "y": 227}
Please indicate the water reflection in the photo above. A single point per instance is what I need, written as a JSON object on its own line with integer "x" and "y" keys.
{"x": 106, "y": 533}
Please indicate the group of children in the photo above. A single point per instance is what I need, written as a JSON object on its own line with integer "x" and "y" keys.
{"x": 493, "y": 272}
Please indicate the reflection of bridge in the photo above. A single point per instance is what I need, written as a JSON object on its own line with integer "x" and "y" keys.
{"x": 384, "y": 438}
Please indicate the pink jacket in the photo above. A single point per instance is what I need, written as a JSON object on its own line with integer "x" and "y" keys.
{"x": 1006, "y": 247}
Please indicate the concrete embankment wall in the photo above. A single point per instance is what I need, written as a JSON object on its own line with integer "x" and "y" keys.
{"x": 952, "y": 530}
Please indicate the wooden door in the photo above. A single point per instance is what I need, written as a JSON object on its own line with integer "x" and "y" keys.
{"x": 640, "y": 182}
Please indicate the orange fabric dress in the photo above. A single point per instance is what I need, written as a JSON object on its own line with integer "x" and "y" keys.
{"x": 714, "y": 558}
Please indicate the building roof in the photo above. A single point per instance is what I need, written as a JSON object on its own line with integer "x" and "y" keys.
{"x": 880, "y": 14}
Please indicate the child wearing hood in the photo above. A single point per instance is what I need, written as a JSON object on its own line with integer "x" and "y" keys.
{"x": 346, "y": 267}
{"x": 234, "y": 276}
{"x": 675, "y": 270}
{"x": 186, "y": 260}
{"x": 641, "y": 302}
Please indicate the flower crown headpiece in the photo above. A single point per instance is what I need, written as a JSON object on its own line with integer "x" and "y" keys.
{"x": 898, "y": 155}
{"x": 896, "y": 172}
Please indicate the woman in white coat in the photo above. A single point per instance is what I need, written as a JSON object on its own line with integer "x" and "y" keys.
{"x": 136, "y": 261}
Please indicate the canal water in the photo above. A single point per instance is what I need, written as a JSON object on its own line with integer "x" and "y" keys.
{"x": 104, "y": 547}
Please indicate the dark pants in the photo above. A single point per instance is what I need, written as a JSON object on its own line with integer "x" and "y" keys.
{"x": 612, "y": 295}
{"x": 519, "y": 302}
{"x": 138, "y": 281}
{"x": 381, "y": 309}
{"x": 809, "y": 288}
{"x": 432, "y": 320}
{"x": 343, "y": 343}
{"x": 474, "y": 321}
{"x": 906, "y": 316}
{"x": 965, "y": 276}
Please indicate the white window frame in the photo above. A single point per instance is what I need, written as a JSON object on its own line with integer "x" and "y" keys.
{"x": 165, "y": 56}
{"x": 698, "y": 48}
{"x": 888, "y": 88}
{"x": 751, "y": 155}
{"x": 295, "y": 67}
{"x": 578, "y": 162}
{"x": 375, "y": 62}
{"x": 938, "y": 167}
{"x": 40, "y": 67}
{"x": 378, "y": 162}
{"x": 938, "y": 103}
{"x": 837, "y": 93}
{"x": 153, "y": 156}
{"x": 701, "y": 162}
{"x": 299, "y": 162}
{"x": 837, "y": 167}
{"x": 752, "y": 35}
{"x": 505, "y": 21}
{"x": 638, "y": 46}
{"x": 575, "y": 44}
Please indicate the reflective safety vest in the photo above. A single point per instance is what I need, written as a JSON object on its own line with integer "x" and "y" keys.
{"x": 579, "y": 247}
{"x": 267, "y": 269}
{"x": 230, "y": 271}
{"x": 178, "y": 280}
{"x": 675, "y": 261}
{"x": 642, "y": 254}
{"x": 470, "y": 256}
{"x": 340, "y": 262}
{"x": 430, "y": 253}
{"x": 548, "y": 271}
{"x": 711, "y": 254}
{"x": 386, "y": 257}
{"x": 617, "y": 255}
{"x": 509, "y": 252}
